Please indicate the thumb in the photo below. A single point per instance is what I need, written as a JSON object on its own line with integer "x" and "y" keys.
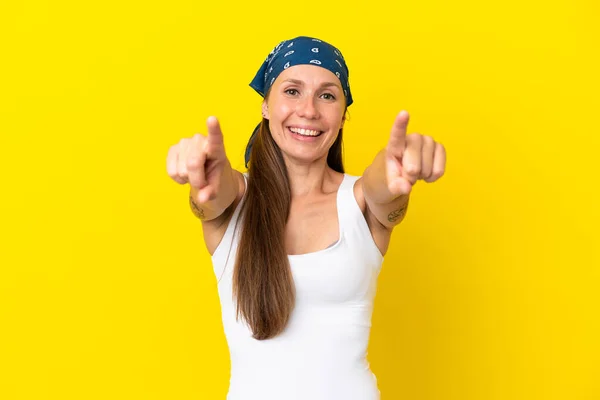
{"x": 400, "y": 186}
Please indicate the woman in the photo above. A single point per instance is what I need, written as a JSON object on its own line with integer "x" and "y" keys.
{"x": 296, "y": 243}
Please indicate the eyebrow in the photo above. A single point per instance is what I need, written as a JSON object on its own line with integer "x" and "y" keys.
{"x": 300, "y": 83}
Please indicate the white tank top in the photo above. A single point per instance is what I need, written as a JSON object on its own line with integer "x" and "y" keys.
{"x": 322, "y": 353}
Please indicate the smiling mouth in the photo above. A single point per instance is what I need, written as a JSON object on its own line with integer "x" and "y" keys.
{"x": 305, "y": 132}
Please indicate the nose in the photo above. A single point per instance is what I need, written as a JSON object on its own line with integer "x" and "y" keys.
{"x": 306, "y": 108}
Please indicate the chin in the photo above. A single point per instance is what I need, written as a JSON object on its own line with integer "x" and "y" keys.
{"x": 304, "y": 158}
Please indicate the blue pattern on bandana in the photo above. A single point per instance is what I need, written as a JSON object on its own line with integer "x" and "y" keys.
{"x": 297, "y": 51}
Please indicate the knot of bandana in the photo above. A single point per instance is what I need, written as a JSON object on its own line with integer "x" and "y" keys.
{"x": 297, "y": 51}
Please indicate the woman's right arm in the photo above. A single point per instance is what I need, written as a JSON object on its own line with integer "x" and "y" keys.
{"x": 201, "y": 161}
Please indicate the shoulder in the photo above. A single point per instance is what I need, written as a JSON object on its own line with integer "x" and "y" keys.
{"x": 359, "y": 195}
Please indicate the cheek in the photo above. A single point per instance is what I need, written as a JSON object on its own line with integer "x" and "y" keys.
{"x": 334, "y": 121}
{"x": 335, "y": 112}
{"x": 281, "y": 109}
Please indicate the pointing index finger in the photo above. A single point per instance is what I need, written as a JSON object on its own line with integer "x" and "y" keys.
{"x": 215, "y": 136}
{"x": 397, "y": 140}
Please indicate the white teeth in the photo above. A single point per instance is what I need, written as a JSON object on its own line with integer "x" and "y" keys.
{"x": 305, "y": 132}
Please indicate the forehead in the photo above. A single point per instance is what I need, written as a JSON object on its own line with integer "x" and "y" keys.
{"x": 308, "y": 75}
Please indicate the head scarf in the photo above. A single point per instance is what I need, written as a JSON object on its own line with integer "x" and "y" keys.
{"x": 300, "y": 50}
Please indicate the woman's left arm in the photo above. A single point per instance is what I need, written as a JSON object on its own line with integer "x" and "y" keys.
{"x": 388, "y": 181}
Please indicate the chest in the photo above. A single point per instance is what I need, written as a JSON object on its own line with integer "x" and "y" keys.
{"x": 312, "y": 226}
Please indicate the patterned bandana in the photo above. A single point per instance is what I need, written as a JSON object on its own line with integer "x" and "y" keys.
{"x": 297, "y": 51}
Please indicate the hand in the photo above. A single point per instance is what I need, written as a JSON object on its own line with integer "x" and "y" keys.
{"x": 200, "y": 161}
{"x": 411, "y": 157}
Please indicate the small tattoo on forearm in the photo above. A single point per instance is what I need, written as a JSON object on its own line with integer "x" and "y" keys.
{"x": 397, "y": 214}
{"x": 198, "y": 212}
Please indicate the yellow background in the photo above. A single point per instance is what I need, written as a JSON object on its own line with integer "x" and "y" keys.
{"x": 490, "y": 289}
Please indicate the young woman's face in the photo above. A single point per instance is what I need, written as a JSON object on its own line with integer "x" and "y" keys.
{"x": 305, "y": 109}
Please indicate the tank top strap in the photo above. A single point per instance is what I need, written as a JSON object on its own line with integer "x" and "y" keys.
{"x": 346, "y": 202}
{"x": 353, "y": 225}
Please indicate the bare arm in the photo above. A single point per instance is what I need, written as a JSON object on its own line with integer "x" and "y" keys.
{"x": 388, "y": 209}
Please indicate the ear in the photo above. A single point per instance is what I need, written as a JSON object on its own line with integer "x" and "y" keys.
{"x": 265, "y": 110}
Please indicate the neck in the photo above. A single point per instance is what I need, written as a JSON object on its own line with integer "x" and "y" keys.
{"x": 308, "y": 178}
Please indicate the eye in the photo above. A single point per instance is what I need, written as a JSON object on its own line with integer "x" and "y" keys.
{"x": 290, "y": 90}
{"x": 331, "y": 97}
